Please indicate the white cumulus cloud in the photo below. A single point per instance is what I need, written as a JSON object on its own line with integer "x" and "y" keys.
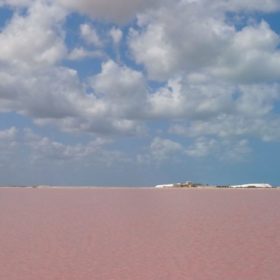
{"x": 119, "y": 11}
{"x": 89, "y": 34}
{"x": 33, "y": 39}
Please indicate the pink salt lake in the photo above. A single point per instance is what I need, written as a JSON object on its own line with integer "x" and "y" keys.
{"x": 139, "y": 234}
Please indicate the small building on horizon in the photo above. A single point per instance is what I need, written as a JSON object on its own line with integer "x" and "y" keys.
{"x": 186, "y": 184}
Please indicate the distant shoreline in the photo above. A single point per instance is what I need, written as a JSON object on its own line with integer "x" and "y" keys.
{"x": 133, "y": 187}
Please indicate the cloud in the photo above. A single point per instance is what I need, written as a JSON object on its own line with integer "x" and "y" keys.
{"x": 123, "y": 11}
{"x": 247, "y": 5}
{"x": 181, "y": 99}
{"x": 205, "y": 100}
{"x": 55, "y": 95}
{"x": 33, "y": 39}
{"x": 163, "y": 150}
{"x": 16, "y": 3}
{"x": 122, "y": 89}
{"x": 202, "y": 147}
{"x": 165, "y": 48}
{"x": 119, "y": 11}
{"x": 250, "y": 114}
{"x": 32, "y": 156}
{"x": 89, "y": 34}
{"x": 43, "y": 148}
{"x": 199, "y": 73}
{"x": 212, "y": 46}
{"x": 45, "y": 93}
{"x": 8, "y": 134}
{"x": 160, "y": 150}
{"x": 250, "y": 47}
{"x": 82, "y": 53}
{"x": 116, "y": 35}
{"x": 225, "y": 150}
{"x": 231, "y": 127}
{"x": 34, "y": 84}
{"x": 8, "y": 146}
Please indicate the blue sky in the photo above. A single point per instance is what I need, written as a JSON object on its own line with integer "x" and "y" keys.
{"x": 134, "y": 93}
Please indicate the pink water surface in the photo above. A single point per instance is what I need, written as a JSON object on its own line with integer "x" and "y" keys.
{"x": 139, "y": 234}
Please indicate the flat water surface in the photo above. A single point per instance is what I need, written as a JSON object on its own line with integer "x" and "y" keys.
{"x": 139, "y": 234}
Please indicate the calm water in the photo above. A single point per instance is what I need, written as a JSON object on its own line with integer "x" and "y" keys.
{"x": 139, "y": 234}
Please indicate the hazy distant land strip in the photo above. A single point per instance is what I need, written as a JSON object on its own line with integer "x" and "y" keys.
{"x": 185, "y": 185}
